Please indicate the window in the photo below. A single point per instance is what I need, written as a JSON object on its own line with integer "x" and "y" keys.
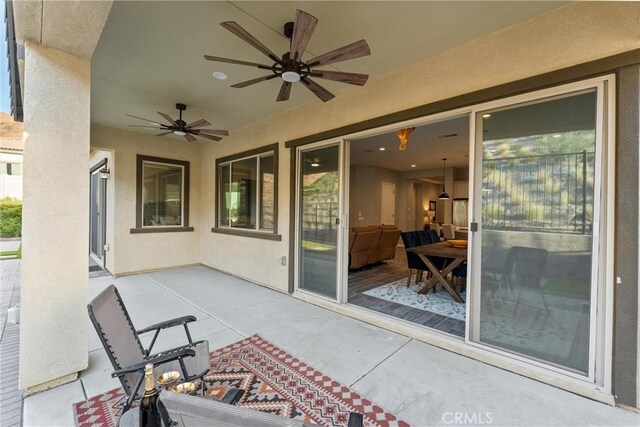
{"x": 162, "y": 200}
{"x": 247, "y": 193}
{"x": 10, "y": 169}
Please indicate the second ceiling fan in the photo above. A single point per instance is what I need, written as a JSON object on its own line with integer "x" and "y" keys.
{"x": 290, "y": 67}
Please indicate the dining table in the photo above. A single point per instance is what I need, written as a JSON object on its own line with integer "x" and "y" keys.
{"x": 456, "y": 256}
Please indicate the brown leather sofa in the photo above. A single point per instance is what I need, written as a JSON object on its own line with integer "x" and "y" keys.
{"x": 372, "y": 244}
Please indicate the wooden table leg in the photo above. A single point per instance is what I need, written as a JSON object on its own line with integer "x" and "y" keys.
{"x": 438, "y": 276}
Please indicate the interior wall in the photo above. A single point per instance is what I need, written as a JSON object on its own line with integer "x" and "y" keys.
{"x": 96, "y": 156}
{"x": 365, "y": 194}
{"x": 148, "y": 251}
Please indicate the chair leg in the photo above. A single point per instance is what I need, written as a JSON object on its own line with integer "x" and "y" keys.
{"x": 409, "y": 278}
{"x": 419, "y": 276}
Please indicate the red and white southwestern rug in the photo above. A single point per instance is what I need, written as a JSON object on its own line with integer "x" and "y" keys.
{"x": 273, "y": 381}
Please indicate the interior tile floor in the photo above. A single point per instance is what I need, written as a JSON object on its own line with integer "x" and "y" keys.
{"x": 421, "y": 383}
{"x": 396, "y": 269}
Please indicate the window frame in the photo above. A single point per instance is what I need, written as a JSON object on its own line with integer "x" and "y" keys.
{"x": 184, "y": 166}
{"x": 257, "y": 232}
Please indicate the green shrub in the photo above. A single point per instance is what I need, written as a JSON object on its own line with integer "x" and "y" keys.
{"x": 10, "y": 217}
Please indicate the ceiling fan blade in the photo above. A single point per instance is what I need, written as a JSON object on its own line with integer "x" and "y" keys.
{"x": 303, "y": 29}
{"x": 199, "y": 123}
{"x": 146, "y": 120}
{"x": 215, "y": 138}
{"x": 318, "y": 90}
{"x": 350, "y": 51}
{"x": 214, "y": 131}
{"x": 145, "y": 127}
{"x": 236, "y": 61}
{"x": 167, "y": 118}
{"x": 253, "y": 81}
{"x": 189, "y": 138}
{"x": 339, "y": 76}
{"x": 164, "y": 133}
{"x": 285, "y": 91}
{"x": 236, "y": 29}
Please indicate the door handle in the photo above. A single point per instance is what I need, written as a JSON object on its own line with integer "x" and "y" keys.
{"x": 473, "y": 227}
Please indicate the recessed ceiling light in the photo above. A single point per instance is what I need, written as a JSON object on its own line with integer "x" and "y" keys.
{"x": 557, "y": 135}
{"x": 381, "y": 148}
{"x": 413, "y": 166}
{"x": 179, "y": 133}
{"x": 219, "y": 75}
{"x": 486, "y": 116}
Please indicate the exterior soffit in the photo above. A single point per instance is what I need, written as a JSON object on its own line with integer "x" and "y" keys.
{"x": 73, "y": 27}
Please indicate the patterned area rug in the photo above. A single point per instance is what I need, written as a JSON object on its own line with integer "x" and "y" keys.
{"x": 273, "y": 381}
{"x": 438, "y": 303}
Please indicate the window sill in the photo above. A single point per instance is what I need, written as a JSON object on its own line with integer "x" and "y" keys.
{"x": 159, "y": 230}
{"x": 248, "y": 233}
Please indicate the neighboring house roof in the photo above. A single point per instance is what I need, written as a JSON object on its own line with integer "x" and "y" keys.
{"x": 10, "y": 133}
{"x": 11, "y": 145}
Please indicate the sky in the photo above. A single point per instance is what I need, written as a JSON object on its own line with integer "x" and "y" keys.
{"x": 5, "y": 101}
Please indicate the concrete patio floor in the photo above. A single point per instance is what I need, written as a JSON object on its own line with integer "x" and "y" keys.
{"x": 418, "y": 382}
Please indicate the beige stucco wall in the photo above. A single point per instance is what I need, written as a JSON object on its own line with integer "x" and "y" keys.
{"x": 54, "y": 287}
{"x": 568, "y": 36}
{"x": 140, "y": 252}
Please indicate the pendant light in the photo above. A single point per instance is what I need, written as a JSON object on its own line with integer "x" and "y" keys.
{"x": 444, "y": 195}
{"x": 403, "y": 137}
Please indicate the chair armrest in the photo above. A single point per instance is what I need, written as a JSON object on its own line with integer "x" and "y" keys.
{"x": 178, "y": 321}
{"x": 160, "y": 359}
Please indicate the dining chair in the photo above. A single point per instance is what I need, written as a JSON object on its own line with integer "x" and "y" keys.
{"x": 411, "y": 239}
{"x": 448, "y": 231}
{"x": 522, "y": 270}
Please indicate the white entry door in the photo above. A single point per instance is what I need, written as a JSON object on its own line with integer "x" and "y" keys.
{"x": 388, "y": 208}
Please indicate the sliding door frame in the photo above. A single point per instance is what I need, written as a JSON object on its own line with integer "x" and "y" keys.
{"x": 601, "y": 388}
{"x": 343, "y": 219}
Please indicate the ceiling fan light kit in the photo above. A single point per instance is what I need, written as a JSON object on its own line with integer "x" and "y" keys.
{"x": 290, "y": 68}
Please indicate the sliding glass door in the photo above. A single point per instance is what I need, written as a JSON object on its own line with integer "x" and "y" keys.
{"x": 318, "y": 216}
{"x": 538, "y": 175}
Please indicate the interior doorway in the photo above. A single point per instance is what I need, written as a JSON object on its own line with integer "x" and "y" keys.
{"x": 388, "y": 208}
{"x": 99, "y": 174}
{"x": 394, "y": 205}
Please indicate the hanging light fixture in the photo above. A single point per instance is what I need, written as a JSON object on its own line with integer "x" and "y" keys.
{"x": 444, "y": 195}
{"x": 403, "y": 136}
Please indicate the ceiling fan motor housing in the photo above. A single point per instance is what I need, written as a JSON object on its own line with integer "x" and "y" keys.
{"x": 288, "y": 30}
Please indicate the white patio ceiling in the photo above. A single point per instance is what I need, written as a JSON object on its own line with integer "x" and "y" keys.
{"x": 150, "y": 54}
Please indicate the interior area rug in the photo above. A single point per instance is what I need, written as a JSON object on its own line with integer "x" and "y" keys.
{"x": 439, "y": 303}
{"x": 273, "y": 381}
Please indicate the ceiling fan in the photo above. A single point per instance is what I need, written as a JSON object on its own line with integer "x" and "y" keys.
{"x": 290, "y": 67}
{"x": 181, "y": 128}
